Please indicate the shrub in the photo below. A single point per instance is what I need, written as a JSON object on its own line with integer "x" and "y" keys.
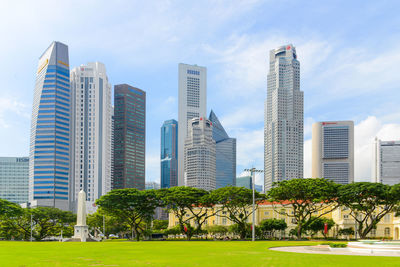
{"x": 338, "y": 245}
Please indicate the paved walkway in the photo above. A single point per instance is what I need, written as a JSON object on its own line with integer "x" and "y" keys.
{"x": 326, "y": 250}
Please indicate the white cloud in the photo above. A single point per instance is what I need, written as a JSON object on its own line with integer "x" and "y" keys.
{"x": 10, "y": 106}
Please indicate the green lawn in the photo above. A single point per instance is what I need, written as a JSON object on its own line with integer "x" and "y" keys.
{"x": 173, "y": 253}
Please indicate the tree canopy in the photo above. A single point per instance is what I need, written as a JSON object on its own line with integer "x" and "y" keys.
{"x": 306, "y": 197}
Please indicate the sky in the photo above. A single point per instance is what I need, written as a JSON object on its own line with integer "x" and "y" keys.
{"x": 349, "y": 53}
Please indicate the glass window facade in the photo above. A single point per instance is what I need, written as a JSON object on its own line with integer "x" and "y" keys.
{"x": 14, "y": 179}
{"x": 50, "y": 143}
{"x": 129, "y": 137}
{"x": 225, "y": 154}
{"x": 169, "y": 154}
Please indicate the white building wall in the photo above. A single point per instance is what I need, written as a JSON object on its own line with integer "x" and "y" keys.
{"x": 192, "y": 104}
{"x": 92, "y": 114}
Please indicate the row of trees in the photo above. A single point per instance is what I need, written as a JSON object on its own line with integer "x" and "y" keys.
{"x": 304, "y": 200}
{"x": 42, "y": 222}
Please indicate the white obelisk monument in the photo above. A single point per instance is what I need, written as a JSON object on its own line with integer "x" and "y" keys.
{"x": 81, "y": 229}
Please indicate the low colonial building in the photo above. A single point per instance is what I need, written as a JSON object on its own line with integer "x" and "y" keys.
{"x": 387, "y": 228}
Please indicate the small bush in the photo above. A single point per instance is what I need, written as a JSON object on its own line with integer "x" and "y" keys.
{"x": 338, "y": 245}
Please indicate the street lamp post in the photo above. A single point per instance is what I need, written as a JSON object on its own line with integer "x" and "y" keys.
{"x": 253, "y": 178}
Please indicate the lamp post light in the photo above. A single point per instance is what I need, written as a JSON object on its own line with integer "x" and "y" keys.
{"x": 253, "y": 178}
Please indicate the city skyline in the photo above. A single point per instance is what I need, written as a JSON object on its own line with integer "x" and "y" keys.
{"x": 345, "y": 74}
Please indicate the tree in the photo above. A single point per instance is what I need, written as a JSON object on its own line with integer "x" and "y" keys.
{"x": 132, "y": 206}
{"x": 346, "y": 232}
{"x": 113, "y": 225}
{"x": 236, "y": 205}
{"x": 182, "y": 202}
{"x": 9, "y": 209}
{"x": 160, "y": 224}
{"x": 272, "y": 225}
{"x": 49, "y": 221}
{"x": 306, "y": 198}
{"x": 369, "y": 203}
{"x": 243, "y": 231}
{"x": 216, "y": 230}
{"x": 318, "y": 224}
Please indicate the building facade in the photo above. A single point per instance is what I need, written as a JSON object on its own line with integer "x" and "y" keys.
{"x": 14, "y": 179}
{"x": 192, "y": 104}
{"x": 169, "y": 154}
{"x": 333, "y": 151}
{"x": 50, "y": 147}
{"x": 386, "y": 167}
{"x": 129, "y": 137}
{"x": 91, "y": 133}
{"x": 283, "y": 125}
{"x": 246, "y": 182}
{"x": 200, "y": 163}
{"x": 225, "y": 154}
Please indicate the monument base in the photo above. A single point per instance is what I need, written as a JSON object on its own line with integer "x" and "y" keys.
{"x": 81, "y": 232}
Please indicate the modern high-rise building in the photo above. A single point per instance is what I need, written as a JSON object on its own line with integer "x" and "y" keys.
{"x": 129, "y": 137}
{"x": 225, "y": 154}
{"x": 91, "y": 133}
{"x": 247, "y": 182}
{"x": 14, "y": 179}
{"x": 50, "y": 147}
{"x": 283, "y": 125}
{"x": 192, "y": 104}
{"x": 386, "y": 168}
{"x": 199, "y": 165}
{"x": 333, "y": 151}
{"x": 169, "y": 154}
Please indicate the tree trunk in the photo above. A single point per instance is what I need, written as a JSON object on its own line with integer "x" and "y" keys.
{"x": 299, "y": 228}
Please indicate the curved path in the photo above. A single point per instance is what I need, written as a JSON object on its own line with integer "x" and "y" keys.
{"x": 326, "y": 250}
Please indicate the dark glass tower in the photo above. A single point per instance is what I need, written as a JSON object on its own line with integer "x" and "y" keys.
{"x": 225, "y": 154}
{"x": 129, "y": 137}
{"x": 49, "y": 164}
{"x": 169, "y": 154}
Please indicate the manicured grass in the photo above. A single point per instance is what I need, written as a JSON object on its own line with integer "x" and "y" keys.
{"x": 170, "y": 253}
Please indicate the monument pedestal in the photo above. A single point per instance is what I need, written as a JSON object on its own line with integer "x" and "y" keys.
{"x": 81, "y": 232}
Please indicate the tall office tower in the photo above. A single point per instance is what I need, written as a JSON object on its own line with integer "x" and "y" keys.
{"x": 283, "y": 125}
{"x": 91, "y": 133}
{"x": 169, "y": 153}
{"x": 333, "y": 151}
{"x": 192, "y": 104}
{"x": 225, "y": 154}
{"x": 386, "y": 167}
{"x": 49, "y": 156}
{"x": 129, "y": 137}
{"x": 200, "y": 163}
{"x": 14, "y": 179}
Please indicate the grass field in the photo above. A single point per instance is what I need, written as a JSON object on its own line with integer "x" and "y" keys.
{"x": 174, "y": 253}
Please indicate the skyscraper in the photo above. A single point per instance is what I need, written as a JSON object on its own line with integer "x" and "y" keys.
{"x": 386, "y": 167}
{"x": 283, "y": 125}
{"x": 49, "y": 157}
{"x": 192, "y": 104}
{"x": 199, "y": 165}
{"x": 225, "y": 154}
{"x": 14, "y": 179}
{"x": 129, "y": 137}
{"x": 169, "y": 153}
{"x": 333, "y": 151}
{"x": 91, "y": 130}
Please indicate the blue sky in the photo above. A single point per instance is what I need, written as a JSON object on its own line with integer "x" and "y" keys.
{"x": 348, "y": 50}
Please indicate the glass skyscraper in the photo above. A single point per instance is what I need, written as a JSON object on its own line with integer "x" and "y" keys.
{"x": 225, "y": 154}
{"x": 386, "y": 168}
{"x": 129, "y": 137}
{"x": 50, "y": 130}
{"x": 169, "y": 154}
{"x": 14, "y": 179}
